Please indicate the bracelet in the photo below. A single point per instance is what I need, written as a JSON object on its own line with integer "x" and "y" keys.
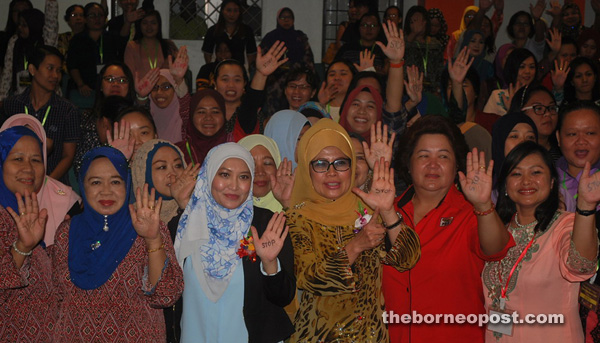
{"x": 400, "y": 219}
{"x": 161, "y": 247}
{"x": 486, "y": 212}
{"x": 585, "y": 213}
{"x": 397, "y": 65}
{"x": 14, "y": 245}
{"x": 141, "y": 98}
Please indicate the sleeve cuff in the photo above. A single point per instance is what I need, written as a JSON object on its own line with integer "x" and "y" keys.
{"x": 265, "y": 273}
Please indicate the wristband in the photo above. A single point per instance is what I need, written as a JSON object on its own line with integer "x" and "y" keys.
{"x": 397, "y": 65}
{"x": 585, "y": 213}
{"x": 486, "y": 212}
{"x": 14, "y": 245}
{"x": 400, "y": 219}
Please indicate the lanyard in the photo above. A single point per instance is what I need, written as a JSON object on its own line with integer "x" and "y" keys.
{"x": 25, "y": 63}
{"x": 426, "y": 58}
{"x": 189, "y": 150}
{"x": 564, "y": 184}
{"x": 152, "y": 64}
{"x": 45, "y": 115}
{"x": 505, "y": 288}
{"x": 361, "y": 45}
{"x": 101, "y": 50}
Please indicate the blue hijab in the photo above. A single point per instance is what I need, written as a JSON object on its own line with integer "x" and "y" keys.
{"x": 8, "y": 139}
{"x": 284, "y": 128}
{"x": 93, "y": 253}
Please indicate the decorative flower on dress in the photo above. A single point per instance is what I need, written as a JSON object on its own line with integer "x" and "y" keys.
{"x": 247, "y": 247}
{"x": 363, "y": 218}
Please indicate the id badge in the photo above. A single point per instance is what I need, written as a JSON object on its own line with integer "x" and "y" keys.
{"x": 589, "y": 295}
{"x": 504, "y": 325}
{"x": 24, "y": 79}
{"x": 99, "y": 68}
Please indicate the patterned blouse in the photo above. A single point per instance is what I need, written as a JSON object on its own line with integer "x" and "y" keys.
{"x": 342, "y": 302}
{"x": 126, "y": 307}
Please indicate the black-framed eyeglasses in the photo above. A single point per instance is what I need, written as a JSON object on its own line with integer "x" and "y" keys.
{"x": 369, "y": 26}
{"x": 113, "y": 79}
{"x": 541, "y": 110}
{"x": 164, "y": 87}
{"x": 322, "y": 166}
{"x": 294, "y": 86}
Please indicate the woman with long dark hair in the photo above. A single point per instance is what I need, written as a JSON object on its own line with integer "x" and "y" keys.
{"x": 230, "y": 27}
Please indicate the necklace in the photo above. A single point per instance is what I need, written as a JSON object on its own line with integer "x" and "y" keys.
{"x": 520, "y": 226}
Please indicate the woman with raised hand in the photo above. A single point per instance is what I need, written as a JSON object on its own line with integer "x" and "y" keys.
{"x": 237, "y": 259}
{"x": 553, "y": 248}
{"x": 338, "y": 255}
{"x": 454, "y": 243}
{"x": 113, "y": 265}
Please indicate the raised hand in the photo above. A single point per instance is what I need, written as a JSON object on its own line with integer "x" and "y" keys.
{"x": 266, "y": 64}
{"x": 414, "y": 86}
{"x": 134, "y": 15}
{"x": 477, "y": 184}
{"x": 499, "y": 5}
{"x": 31, "y": 223}
{"x": 459, "y": 68}
{"x": 394, "y": 50}
{"x": 507, "y": 96}
{"x": 538, "y": 10}
{"x": 555, "y": 40}
{"x": 145, "y": 215}
{"x": 382, "y": 193}
{"x": 121, "y": 139}
{"x": 485, "y": 5}
{"x": 366, "y": 60}
{"x": 588, "y": 191}
{"x": 144, "y": 86}
{"x": 327, "y": 93}
{"x": 270, "y": 244}
{"x": 283, "y": 183}
{"x": 178, "y": 68}
{"x": 381, "y": 146}
{"x": 559, "y": 74}
{"x": 555, "y": 9}
{"x": 182, "y": 187}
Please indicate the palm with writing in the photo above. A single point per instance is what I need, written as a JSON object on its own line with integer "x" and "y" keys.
{"x": 179, "y": 67}
{"x": 459, "y": 68}
{"x": 282, "y": 183}
{"x": 588, "y": 191}
{"x": 31, "y": 224}
{"x": 381, "y": 146}
{"x": 266, "y": 64}
{"x": 477, "y": 184}
{"x": 269, "y": 245}
{"x": 394, "y": 50}
{"x": 121, "y": 139}
{"x": 144, "y": 86}
{"x": 366, "y": 59}
{"x": 382, "y": 193}
{"x": 555, "y": 40}
{"x": 145, "y": 214}
{"x": 182, "y": 186}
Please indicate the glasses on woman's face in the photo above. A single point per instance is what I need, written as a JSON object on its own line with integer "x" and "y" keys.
{"x": 95, "y": 15}
{"x": 113, "y": 79}
{"x": 541, "y": 110}
{"x": 164, "y": 87}
{"x": 322, "y": 166}
{"x": 369, "y": 26}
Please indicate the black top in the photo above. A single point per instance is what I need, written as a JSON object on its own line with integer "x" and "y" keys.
{"x": 85, "y": 55}
{"x": 63, "y": 123}
{"x": 241, "y": 42}
{"x": 351, "y": 52}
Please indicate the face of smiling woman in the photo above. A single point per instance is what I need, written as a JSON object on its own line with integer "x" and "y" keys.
{"x": 231, "y": 185}
{"x": 331, "y": 184}
{"x": 362, "y": 113}
{"x": 104, "y": 188}
{"x": 23, "y": 168}
{"x": 433, "y": 164}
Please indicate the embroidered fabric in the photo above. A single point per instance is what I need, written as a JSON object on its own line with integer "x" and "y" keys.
{"x": 579, "y": 263}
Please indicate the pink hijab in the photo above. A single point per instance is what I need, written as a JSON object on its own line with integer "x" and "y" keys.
{"x": 168, "y": 120}
{"x": 56, "y": 197}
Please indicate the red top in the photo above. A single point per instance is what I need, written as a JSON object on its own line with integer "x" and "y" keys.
{"x": 447, "y": 278}
{"x": 27, "y": 297}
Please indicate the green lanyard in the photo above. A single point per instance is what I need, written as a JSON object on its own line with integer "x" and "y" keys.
{"x": 361, "y": 45}
{"x": 152, "y": 64}
{"x": 25, "y": 63}
{"x": 426, "y": 58}
{"x": 45, "y": 115}
{"x": 101, "y": 50}
{"x": 189, "y": 150}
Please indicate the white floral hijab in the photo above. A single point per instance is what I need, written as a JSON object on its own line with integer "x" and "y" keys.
{"x": 209, "y": 232}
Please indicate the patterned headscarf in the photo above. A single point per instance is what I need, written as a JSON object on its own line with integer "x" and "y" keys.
{"x": 442, "y": 35}
{"x": 208, "y": 232}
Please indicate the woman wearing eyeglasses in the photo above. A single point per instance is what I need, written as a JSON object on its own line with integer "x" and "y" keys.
{"x": 338, "y": 241}
{"x": 539, "y": 104}
{"x": 369, "y": 28}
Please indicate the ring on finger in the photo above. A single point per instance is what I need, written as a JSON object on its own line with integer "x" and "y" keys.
{"x": 22, "y": 214}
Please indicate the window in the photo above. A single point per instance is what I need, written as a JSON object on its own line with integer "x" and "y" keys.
{"x": 190, "y": 19}
{"x": 336, "y": 12}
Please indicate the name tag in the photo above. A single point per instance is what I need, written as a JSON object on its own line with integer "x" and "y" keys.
{"x": 504, "y": 325}
{"x": 589, "y": 295}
